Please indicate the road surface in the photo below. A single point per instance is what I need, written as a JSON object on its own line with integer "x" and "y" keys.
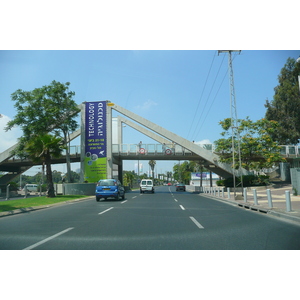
{"x": 164, "y": 220}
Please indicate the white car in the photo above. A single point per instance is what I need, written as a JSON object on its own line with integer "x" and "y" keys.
{"x": 146, "y": 185}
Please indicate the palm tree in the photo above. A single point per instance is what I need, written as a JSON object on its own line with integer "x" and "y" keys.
{"x": 152, "y": 164}
{"x": 128, "y": 179}
{"x": 41, "y": 148}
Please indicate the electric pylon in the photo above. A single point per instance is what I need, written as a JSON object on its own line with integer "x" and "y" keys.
{"x": 234, "y": 119}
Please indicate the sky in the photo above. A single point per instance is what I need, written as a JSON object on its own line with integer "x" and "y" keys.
{"x": 184, "y": 91}
{"x": 158, "y": 60}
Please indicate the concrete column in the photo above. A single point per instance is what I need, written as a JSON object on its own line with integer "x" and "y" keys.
{"x": 269, "y": 198}
{"x": 120, "y": 172}
{"x": 288, "y": 201}
{"x": 82, "y": 142}
{"x": 109, "y": 163}
{"x": 245, "y": 195}
{"x": 255, "y": 196}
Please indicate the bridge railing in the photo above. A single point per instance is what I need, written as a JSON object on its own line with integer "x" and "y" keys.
{"x": 165, "y": 149}
{"x": 153, "y": 149}
{"x": 74, "y": 151}
{"x": 290, "y": 150}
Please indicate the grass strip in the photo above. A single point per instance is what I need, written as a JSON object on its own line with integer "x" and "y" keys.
{"x": 35, "y": 201}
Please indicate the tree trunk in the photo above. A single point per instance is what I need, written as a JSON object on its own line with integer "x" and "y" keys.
{"x": 50, "y": 186}
{"x": 68, "y": 160}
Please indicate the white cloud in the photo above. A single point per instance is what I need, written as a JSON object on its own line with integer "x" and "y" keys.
{"x": 146, "y": 105}
{"x": 203, "y": 142}
{"x": 9, "y": 138}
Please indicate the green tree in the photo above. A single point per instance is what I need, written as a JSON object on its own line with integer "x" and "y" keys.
{"x": 152, "y": 164}
{"x": 41, "y": 149}
{"x": 284, "y": 108}
{"x": 182, "y": 171}
{"x": 128, "y": 178}
{"x": 49, "y": 109}
{"x": 258, "y": 149}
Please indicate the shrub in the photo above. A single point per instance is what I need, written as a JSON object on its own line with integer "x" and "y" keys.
{"x": 13, "y": 186}
{"x": 248, "y": 180}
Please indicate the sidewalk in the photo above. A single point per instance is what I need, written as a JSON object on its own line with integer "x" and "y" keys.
{"x": 278, "y": 196}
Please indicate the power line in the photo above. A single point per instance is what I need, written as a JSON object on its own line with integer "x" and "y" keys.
{"x": 215, "y": 96}
{"x": 208, "y": 96}
{"x": 213, "y": 101}
{"x": 201, "y": 94}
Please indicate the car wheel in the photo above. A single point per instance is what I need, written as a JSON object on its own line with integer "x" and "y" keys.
{"x": 123, "y": 197}
{"x": 97, "y": 199}
{"x": 118, "y": 197}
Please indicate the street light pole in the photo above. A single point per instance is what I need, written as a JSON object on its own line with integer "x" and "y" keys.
{"x": 298, "y": 61}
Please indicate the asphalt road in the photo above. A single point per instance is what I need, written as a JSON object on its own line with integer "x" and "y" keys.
{"x": 164, "y": 220}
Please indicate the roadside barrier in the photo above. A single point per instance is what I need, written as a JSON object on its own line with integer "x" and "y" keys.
{"x": 220, "y": 193}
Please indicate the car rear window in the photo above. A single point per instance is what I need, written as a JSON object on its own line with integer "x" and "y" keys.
{"x": 106, "y": 182}
{"x": 146, "y": 182}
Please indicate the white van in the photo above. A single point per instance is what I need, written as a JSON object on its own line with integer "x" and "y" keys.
{"x": 31, "y": 187}
{"x": 146, "y": 185}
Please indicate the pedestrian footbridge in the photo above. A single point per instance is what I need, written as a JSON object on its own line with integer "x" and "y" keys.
{"x": 169, "y": 146}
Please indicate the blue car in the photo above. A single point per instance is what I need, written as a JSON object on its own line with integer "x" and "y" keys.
{"x": 109, "y": 188}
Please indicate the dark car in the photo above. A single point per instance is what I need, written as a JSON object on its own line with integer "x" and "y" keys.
{"x": 109, "y": 188}
{"x": 180, "y": 187}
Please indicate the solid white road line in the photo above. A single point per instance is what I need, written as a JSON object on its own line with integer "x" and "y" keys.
{"x": 182, "y": 207}
{"x": 48, "y": 239}
{"x": 105, "y": 211}
{"x": 197, "y": 223}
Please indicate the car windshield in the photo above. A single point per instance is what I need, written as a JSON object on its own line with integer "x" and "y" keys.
{"x": 108, "y": 182}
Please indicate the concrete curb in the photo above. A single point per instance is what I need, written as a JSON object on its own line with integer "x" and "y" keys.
{"x": 29, "y": 209}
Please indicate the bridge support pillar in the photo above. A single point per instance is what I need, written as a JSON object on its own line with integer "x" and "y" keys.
{"x": 109, "y": 163}
{"x": 120, "y": 172}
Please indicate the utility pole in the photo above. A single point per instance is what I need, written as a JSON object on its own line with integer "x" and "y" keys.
{"x": 234, "y": 119}
{"x": 298, "y": 60}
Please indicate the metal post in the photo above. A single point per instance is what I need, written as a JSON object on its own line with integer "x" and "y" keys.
{"x": 255, "y": 197}
{"x": 245, "y": 195}
{"x": 288, "y": 201}
{"x": 25, "y": 191}
{"x": 222, "y": 192}
{"x": 269, "y": 198}
{"x": 218, "y": 192}
{"x": 7, "y": 192}
{"x": 228, "y": 192}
